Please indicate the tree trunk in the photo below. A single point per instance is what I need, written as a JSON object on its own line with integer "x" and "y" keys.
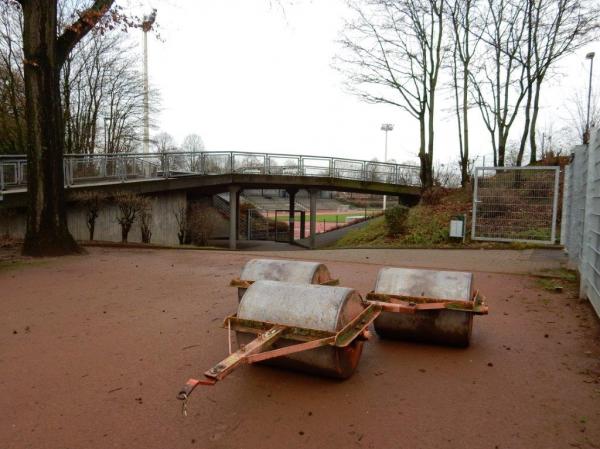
{"x": 459, "y": 121}
{"x": 91, "y": 222}
{"x": 429, "y": 155}
{"x": 47, "y": 233}
{"x": 525, "y": 128}
{"x": 426, "y": 175}
{"x": 464, "y": 175}
{"x": 125, "y": 228}
{"x": 501, "y": 149}
{"x": 536, "y": 109}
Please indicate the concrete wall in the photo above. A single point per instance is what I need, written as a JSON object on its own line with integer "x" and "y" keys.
{"x": 12, "y": 225}
{"x": 164, "y": 225}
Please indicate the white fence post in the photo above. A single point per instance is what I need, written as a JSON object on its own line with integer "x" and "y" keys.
{"x": 590, "y": 260}
{"x": 555, "y": 203}
{"x": 475, "y": 200}
{"x": 565, "y": 222}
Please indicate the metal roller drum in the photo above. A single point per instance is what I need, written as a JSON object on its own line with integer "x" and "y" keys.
{"x": 295, "y": 271}
{"x": 316, "y": 307}
{"x": 448, "y": 327}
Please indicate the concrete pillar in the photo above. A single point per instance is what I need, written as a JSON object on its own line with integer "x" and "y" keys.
{"x": 237, "y": 221}
{"x": 303, "y": 225}
{"x": 233, "y": 216}
{"x": 313, "y": 218}
{"x": 292, "y": 224}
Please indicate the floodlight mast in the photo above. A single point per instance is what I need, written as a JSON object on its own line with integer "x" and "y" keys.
{"x": 386, "y": 127}
{"x": 147, "y": 26}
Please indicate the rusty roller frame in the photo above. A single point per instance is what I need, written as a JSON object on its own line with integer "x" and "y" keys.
{"x": 294, "y": 339}
{"x": 386, "y": 310}
{"x": 431, "y": 306}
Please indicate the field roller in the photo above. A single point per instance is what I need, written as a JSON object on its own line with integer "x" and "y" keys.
{"x": 296, "y": 271}
{"x": 426, "y": 305}
{"x": 312, "y": 328}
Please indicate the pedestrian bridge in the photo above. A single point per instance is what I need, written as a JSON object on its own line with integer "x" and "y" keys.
{"x": 216, "y": 171}
{"x": 208, "y": 173}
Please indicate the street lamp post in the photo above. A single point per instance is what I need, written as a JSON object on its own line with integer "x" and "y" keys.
{"x": 106, "y": 133}
{"x": 586, "y": 135}
{"x": 386, "y": 127}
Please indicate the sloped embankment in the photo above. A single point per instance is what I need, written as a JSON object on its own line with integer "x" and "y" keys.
{"x": 426, "y": 225}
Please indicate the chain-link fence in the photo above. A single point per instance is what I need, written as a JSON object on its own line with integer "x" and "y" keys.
{"x": 580, "y": 232}
{"x": 516, "y": 204}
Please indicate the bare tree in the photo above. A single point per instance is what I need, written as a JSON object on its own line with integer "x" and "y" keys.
{"x": 102, "y": 96}
{"x": 165, "y": 144}
{"x": 559, "y": 27}
{"x": 500, "y": 81}
{"x": 180, "y": 213}
{"x": 193, "y": 143}
{"x": 577, "y": 107}
{"x": 202, "y": 222}
{"x": 392, "y": 53}
{"x": 12, "y": 82}
{"x": 44, "y": 54}
{"x": 465, "y": 40}
{"x": 91, "y": 201}
{"x": 130, "y": 207}
{"x": 47, "y": 43}
{"x": 146, "y": 221}
{"x": 101, "y": 89}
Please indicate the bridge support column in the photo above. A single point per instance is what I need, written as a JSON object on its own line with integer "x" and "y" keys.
{"x": 233, "y": 215}
{"x": 313, "y": 218}
{"x": 237, "y": 215}
{"x": 292, "y": 218}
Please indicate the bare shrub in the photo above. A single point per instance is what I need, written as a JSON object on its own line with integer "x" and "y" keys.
{"x": 180, "y": 213}
{"x": 7, "y": 214}
{"x": 91, "y": 202}
{"x": 146, "y": 220}
{"x": 433, "y": 195}
{"x": 447, "y": 175}
{"x": 130, "y": 206}
{"x": 202, "y": 222}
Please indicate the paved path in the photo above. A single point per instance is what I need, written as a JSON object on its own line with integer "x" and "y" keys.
{"x": 94, "y": 349}
{"x": 493, "y": 261}
{"x": 258, "y": 245}
{"x": 327, "y": 238}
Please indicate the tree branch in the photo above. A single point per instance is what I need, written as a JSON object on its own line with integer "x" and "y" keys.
{"x": 76, "y": 31}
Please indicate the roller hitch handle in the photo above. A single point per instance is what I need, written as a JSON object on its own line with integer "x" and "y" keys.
{"x": 186, "y": 391}
{"x": 190, "y": 385}
{"x": 260, "y": 349}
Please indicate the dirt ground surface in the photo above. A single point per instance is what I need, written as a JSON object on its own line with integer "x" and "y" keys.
{"x": 94, "y": 348}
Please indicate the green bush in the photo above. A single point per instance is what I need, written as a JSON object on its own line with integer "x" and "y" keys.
{"x": 426, "y": 228}
{"x": 395, "y": 220}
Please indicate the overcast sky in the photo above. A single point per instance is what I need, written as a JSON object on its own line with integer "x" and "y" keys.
{"x": 248, "y": 75}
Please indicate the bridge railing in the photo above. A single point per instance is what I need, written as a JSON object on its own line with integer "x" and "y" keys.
{"x": 121, "y": 167}
{"x": 13, "y": 172}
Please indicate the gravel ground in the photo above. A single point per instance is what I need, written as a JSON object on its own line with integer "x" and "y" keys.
{"x": 93, "y": 350}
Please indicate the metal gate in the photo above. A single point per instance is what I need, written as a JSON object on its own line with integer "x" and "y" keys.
{"x": 515, "y": 204}
{"x": 274, "y": 225}
{"x": 258, "y": 225}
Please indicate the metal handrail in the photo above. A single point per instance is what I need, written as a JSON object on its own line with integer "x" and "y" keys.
{"x": 120, "y": 167}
